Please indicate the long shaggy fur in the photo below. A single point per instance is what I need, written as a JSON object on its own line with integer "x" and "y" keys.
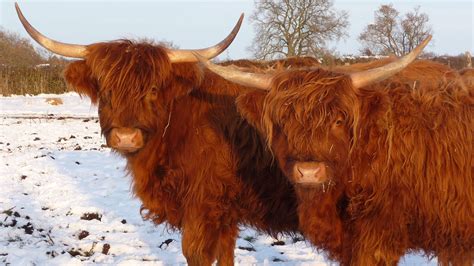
{"x": 416, "y": 153}
{"x": 409, "y": 169}
{"x": 203, "y": 170}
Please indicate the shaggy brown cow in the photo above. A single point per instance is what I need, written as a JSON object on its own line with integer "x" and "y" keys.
{"x": 401, "y": 150}
{"x": 196, "y": 164}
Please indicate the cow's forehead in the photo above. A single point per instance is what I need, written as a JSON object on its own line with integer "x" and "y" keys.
{"x": 124, "y": 59}
{"x": 307, "y": 96}
{"x": 127, "y": 69}
{"x": 305, "y": 107}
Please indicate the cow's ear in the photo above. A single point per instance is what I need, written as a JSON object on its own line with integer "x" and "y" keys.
{"x": 186, "y": 77}
{"x": 79, "y": 76}
{"x": 250, "y": 106}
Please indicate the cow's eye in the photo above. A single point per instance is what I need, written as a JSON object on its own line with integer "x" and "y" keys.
{"x": 153, "y": 94}
{"x": 105, "y": 97}
{"x": 339, "y": 122}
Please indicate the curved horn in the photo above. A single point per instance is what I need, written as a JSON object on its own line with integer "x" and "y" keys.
{"x": 177, "y": 56}
{"x": 64, "y": 49}
{"x": 254, "y": 80}
{"x": 367, "y": 77}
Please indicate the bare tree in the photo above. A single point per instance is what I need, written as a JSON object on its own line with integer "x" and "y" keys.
{"x": 392, "y": 34}
{"x": 17, "y": 51}
{"x": 295, "y": 27}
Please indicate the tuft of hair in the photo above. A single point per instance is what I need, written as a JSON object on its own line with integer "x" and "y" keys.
{"x": 303, "y": 100}
{"x": 124, "y": 64}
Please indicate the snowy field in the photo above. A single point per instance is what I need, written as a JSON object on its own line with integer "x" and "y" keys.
{"x": 65, "y": 198}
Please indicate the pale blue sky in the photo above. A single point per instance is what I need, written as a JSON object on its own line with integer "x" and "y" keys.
{"x": 198, "y": 23}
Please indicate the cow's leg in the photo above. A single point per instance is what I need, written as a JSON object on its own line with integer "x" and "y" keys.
{"x": 206, "y": 239}
{"x": 379, "y": 240}
{"x": 463, "y": 259}
{"x": 347, "y": 246}
{"x": 226, "y": 245}
{"x": 455, "y": 258}
{"x": 320, "y": 221}
{"x": 199, "y": 242}
{"x": 374, "y": 257}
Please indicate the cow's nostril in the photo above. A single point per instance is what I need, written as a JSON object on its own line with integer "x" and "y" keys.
{"x": 317, "y": 170}
{"x": 135, "y": 137}
{"x": 115, "y": 139}
{"x": 299, "y": 171}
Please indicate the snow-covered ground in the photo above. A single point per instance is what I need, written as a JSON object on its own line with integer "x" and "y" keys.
{"x": 65, "y": 198}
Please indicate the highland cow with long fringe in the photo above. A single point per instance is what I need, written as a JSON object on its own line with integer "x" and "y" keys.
{"x": 384, "y": 155}
{"x": 195, "y": 163}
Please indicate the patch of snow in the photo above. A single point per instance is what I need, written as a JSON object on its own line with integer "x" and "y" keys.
{"x": 73, "y": 105}
{"x": 42, "y": 65}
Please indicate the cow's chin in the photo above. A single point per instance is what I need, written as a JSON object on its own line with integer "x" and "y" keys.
{"x": 313, "y": 186}
{"x": 127, "y": 151}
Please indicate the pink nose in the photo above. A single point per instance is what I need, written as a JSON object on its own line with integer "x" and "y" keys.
{"x": 310, "y": 172}
{"x": 126, "y": 139}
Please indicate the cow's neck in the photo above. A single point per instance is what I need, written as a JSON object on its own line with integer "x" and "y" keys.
{"x": 216, "y": 87}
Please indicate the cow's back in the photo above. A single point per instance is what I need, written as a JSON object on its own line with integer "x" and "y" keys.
{"x": 415, "y": 162}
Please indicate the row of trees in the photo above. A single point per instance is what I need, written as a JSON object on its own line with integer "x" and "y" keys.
{"x": 304, "y": 27}
{"x": 25, "y": 70}
{"x": 17, "y": 51}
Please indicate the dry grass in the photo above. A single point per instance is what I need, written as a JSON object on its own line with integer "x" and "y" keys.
{"x": 31, "y": 80}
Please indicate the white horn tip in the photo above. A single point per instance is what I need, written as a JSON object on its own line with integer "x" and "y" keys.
{"x": 425, "y": 42}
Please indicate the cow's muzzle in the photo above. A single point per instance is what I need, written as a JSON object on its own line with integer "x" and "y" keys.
{"x": 126, "y": 140}
{"x": 310, "y": 173}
